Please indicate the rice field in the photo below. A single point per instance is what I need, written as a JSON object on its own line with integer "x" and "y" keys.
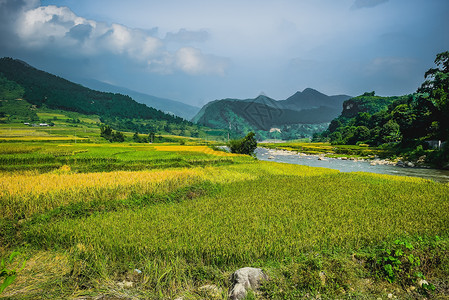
{"x": 188, "y": 216}
{"x": 198, "y": 149}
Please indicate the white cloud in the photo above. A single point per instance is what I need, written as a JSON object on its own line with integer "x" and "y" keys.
{"x": 58, "y": 28}
{"x": 192, "y": 61}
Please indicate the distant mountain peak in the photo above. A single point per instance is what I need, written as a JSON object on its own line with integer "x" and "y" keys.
{"x": 310, "y": 91}
{"x": 262, "y": 97}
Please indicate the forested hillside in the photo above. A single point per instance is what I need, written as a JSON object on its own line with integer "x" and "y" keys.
{"x": 412, "y": 124}
{"x": 42, "y": 89}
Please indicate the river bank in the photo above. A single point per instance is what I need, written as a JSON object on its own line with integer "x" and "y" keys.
{"x": 354, "y": 164}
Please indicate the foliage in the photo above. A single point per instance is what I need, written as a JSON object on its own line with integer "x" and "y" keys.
{"x": 406, "y": 121}
{"x": 111, "y": 135}
{"x": 18, "y": 111}
{"x": 398, "y": 262}
{"x": 247, "y": 145}
{"x": 9, "y": 271}
{"x": 436, "y": 91}
{"x": 9, "y": 90}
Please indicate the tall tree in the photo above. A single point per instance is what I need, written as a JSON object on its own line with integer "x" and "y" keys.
{"x": 436, "y": 89}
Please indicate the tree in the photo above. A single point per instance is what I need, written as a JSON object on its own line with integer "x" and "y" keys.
{"x": 334, "y": 125}
{"x": 136, "y": 137}
{"x": 118, "y": 137}
{"x": 391, "y": 132}
{"x": 151, "y": 137}
{"x": 247, "y": 145}
{"x": 435, "y": 89}
{"x": 106, "y": 132}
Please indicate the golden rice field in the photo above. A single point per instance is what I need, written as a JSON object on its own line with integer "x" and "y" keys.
{"x": 84, "y": 233}
{"x": 198, "y": 149}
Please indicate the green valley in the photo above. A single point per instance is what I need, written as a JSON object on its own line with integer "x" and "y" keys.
{"x": 167, "y": 214}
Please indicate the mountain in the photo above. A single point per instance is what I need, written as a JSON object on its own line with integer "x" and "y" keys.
{"x": 177, "y": 108}
{"x": 264, "y": 113}
{"x": 310, "y": 98}
{"x": 45, "y": 89}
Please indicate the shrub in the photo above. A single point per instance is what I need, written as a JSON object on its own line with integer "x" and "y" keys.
{"x": 247, "y": 145}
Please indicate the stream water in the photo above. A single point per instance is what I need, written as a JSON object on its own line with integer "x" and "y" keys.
{"x": 349, "y": 165}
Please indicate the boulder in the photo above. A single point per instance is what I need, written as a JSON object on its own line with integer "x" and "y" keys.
{"x": 244, "y": 279}
{"x": 410, "y": 164}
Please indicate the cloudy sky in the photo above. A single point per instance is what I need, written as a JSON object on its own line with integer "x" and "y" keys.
{"x": 199, "y": 50}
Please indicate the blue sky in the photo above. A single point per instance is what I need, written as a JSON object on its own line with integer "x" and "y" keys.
{"x": 197, "y": 51}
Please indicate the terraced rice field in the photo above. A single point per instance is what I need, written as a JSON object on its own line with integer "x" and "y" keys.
{"x": 87, "y": 216}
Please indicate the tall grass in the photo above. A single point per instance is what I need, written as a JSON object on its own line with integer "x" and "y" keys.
{"x": 272, "y": 217}
{"x": 186, "y": 227}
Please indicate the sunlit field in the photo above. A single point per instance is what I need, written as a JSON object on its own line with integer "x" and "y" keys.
{"x": 87, "y": 216}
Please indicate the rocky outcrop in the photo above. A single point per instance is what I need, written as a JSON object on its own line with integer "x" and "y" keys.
{"x": 245, "y": 279}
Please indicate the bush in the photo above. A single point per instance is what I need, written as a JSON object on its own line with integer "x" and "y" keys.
{"x": 247, "y": 145}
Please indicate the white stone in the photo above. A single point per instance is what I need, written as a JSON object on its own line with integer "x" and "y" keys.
{"x": 244, "y": 279}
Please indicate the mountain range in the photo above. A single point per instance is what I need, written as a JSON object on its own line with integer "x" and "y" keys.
{"x": 300, "y": 115}
{"x": 264, "y": 113}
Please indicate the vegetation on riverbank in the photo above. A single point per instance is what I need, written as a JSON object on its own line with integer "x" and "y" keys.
{"x": 414, "y": 126}
{"x": 162, "y": 221}
{"x": 330, "y": 150}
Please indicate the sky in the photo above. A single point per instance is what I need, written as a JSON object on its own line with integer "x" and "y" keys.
{"x": 197, "y": 51}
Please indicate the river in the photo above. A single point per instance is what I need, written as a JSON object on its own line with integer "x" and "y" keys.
{"x": 349, "y": 165}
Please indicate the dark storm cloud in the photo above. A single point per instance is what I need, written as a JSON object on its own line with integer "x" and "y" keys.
{"x": 9, "y": 10}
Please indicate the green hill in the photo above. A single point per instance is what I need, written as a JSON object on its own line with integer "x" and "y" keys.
{"x": 42, "y": 88}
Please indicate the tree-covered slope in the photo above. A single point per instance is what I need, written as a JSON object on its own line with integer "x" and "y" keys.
{"x": 410, "y": 124}
{"x": 358, "y": 115}
{"x": 42, "y": 88}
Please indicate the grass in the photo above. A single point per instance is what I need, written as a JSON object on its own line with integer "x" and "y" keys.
{"x": 88, "y": 216}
